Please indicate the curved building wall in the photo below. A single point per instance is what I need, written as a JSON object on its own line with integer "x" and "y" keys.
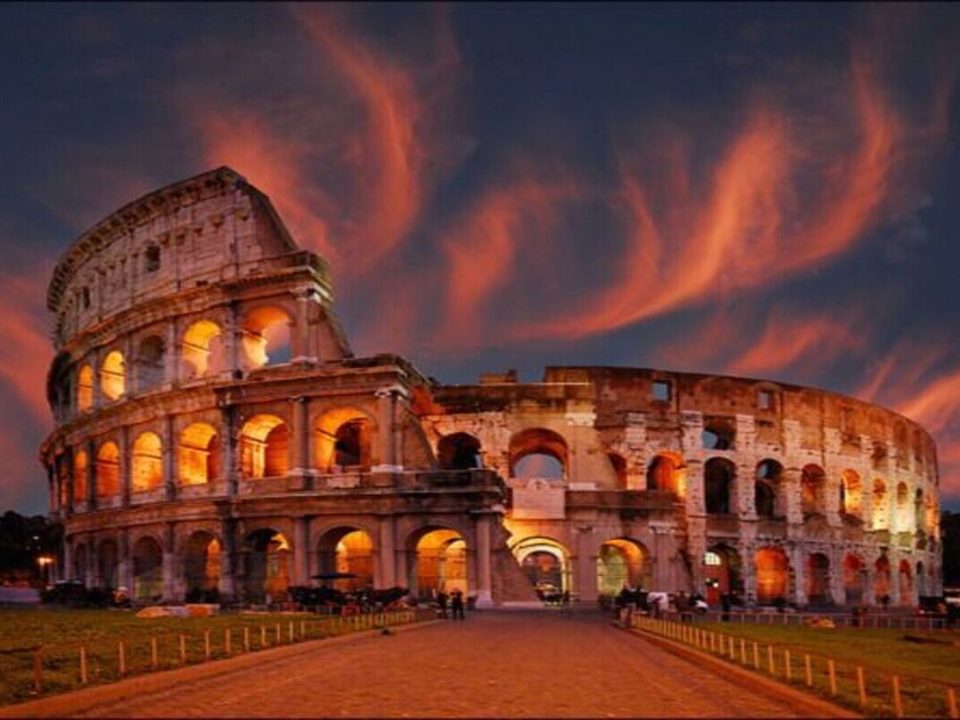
{"x": 216, "y": 436}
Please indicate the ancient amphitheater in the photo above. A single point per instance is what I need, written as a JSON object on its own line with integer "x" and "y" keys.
{"x": 216, "y": 437}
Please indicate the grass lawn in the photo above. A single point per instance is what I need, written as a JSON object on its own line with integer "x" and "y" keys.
{"x": 60, "y": 634}
{"x": 881, "y": 653}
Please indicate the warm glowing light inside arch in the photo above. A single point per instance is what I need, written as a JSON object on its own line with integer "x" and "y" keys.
{"x": 266, "y": 337}
{"x": 108, "y": 470}
{"x": 80, "y": 463}
{"x": 328, "y": 433}
{"x": 147, "y": 462}
{"x": 198, "y": 460}
{"x": 545, "y": 561}
{"x": 85, "y": 388}
{"x": 202, "y": 350}
{"x": 113, "y": 381}
{"x": 441, "y": 562}
{"x": 264, "y": 447}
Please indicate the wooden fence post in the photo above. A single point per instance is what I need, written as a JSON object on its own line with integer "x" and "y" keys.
{"x": 246, "y": 639}
{"x": 743, "y": 651}
{"x": 206, "y": 644}
{"x": 183, "y": 649}
{"x": 787, "y": 670}
{"x": 773, "y": 669}
{"x": 832, "y": 672}
{"x": 861, "y": 687}
{"x": 290, "y": 631}
{"x": 756, "y": 657}
{"x": 154, "y": 654}
{"x": 809, "y": 670}
{"x": 263, "y": 636}
{"x": 279, "y": 636}
{"x": 897, "y": 703}
{"x": 226, "y": 641}
{"x": 303, "y": 629}
{"x": 121, "y": 658}
{"x": 952, "y": 703}
{"x": 83, "y": 665}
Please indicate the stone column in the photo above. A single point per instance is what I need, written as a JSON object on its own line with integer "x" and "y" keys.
{"x": 125, "y": 562}
{"x": 227, "y": 586}
{"x": 869, "y": 596}
{"x": 169, "y": 563}
{"x": 484, "y": 578}
{"x": 797, "y": 557}
{"x": 585, "y": 568}
{"x": 748, "y": 570}
{"x": 228, "y": 448}
{"x": 301, "y": 545}
{"x": 90, "y": 571}
{"x": 170, "y": 458}
{"x": 96, "y": 362}
{"x": 71, "y": 487}
{"x": 746, "y": 491}
{"x": 300, "y": 329}
{"x": 91, "y": 475}
{"x": 386, "y": 556}
{"x": 232, "y": 335}
{"x": 125, "y": 466}
{"x": 66, "y": 568}
{"x": 895, "y": 581}
{"x": 301, "y": 440}
{"x": 794, "y": 500}
{"x": 838, "y": 592}
{"x": 386, "y": 416}
{"x": 171, "y": 368}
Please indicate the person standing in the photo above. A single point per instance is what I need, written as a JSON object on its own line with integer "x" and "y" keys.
{"x": 456, "y": 604}
{"x": 442, "y": 604}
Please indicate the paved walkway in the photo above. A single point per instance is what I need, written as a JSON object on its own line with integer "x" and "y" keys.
{"x": 492, "y": 665}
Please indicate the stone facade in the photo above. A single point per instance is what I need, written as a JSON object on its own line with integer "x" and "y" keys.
{"x": 216, "y": 436}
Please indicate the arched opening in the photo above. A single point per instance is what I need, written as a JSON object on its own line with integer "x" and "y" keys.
{"x": 881, "y": 581}
{"x": 113, "y": 376}
{"x": 723, "y": 573}
{"x": 151, "y": 258}
{"x": 766, "y": 489}
{"x": 619, "y": 466}
{"x": 440, "y": 563}
{"x": 266, "y": 566}
{"x": 85, "y": 388}
{"x": 538, "y": 453}
{"x": 201, "y": 567}
{"x": 150, "y": 363}
{"x": 854, "y": 579}
{"x": 881, "y": 513}
{"x": 906, "y": 584}
{"x": 459, "y": 451}
{"x": 922, "y": 587}
{"x": 108, "y": 470}
{"x": 80, "y": 563}
{"x": 666, "y": 474}
{"x": 919, "y": 518}
{"x": 107, "y": 564}
{"x": 147, "y": 570}
{"x": 202, "y": 350}
{"x": 851, "y": 493}
{"x": 147, "y": 462}
{"x": 345, "y": 552}
{"x": 546, "y": 563}
{"x": 80, "y": 463}
{"x": 198, "y": 460}
{"x": 719, "y": 475}
{"x": 343, "y": 440}
{"x": 266, "y": 337}
{"x": 717, "y": 435}
{"x": 264, "y": 447}
{"x": 818, "y": 579}
{"x": 621, "y": 563}
{"x": 773, "y": 575}
{"x": 812, "y": 484}
{"x": 903, "y": 498}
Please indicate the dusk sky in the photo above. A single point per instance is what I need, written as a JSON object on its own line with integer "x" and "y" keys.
{"x": 751, "y": 189}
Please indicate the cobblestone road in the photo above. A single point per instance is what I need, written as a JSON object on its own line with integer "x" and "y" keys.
{"x": 492, "y": 665}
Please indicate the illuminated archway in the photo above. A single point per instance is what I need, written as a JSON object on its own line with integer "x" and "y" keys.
{"x": 812, "y": 490}
{"x": 266, "y": 568}
{"x": 459, "y": 451}
{"x": 264, "y": 447}
{"x": 622, "y": 562}
{"x": 666, "y": 474}
{"x": 85, "y": 388}
{"x": 905, "y": 579}
{"x": 80, "y": 463}
{"x": 773, "y": 575}
{"x": 202, "y": 350}
{"x": 851, "y": 493}
{"x": 538, "y": 453}
{"x": 881, "y": 580}
{"x": 854, "y": 579}
{"x": 545, "y": 562}
{"x": 767, "y": 486}
{"x": 881, "y": 513}
{"x": 147, "y": 570}
{"x": 149, "y": 370}
{"x": 346, "y": 551}
{"x": 147, "y": 462}
{"x": 198, "y": 460}
{"x": 343, "y": 439}
{"x": 719, "y": 477}
{"x": 818, "y": 579}
{"x": 113, "y": 376}
{"x": 723, "y": 572}
{"x": 108, "y": 470}
{"x": 440, "y": 562}
{"x": 201, "y": 567}
{"x": 266, "y": 337}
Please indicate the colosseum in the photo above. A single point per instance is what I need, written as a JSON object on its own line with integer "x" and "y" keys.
{"x": 216, "y": 438}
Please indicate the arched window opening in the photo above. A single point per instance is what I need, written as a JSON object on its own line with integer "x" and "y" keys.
{"x": 459, "y": 451}
{"x": 150, "y": 363}
{"x": 538, "y": 453}
{"x": 345, "y": 559}
{"x": 546, "y": 563}
{"x": 344, "y": 437}
{"x": 264, "y": 447}
{"x": 906, "y": 584}
{"x": 147, "y": 570}
{"x": 622, "y": 563}
{"x": 717, "y": 435}
{"x": 440, "y": 563}
{"x": 108, "y": 470}
{"x": 198, "y": 461}
{"x": 918, "y": 509}
{"x": 723, "y": 573}
{"x": 719, "y": 475}
{"x": 267, "y": 567}
{"x": 108, "y": 562}
{"x": 151, "y": 258}
{"x": 764, "y": 499}
{"x": 903, "y": 495}
{"x": 619, "y": 466}
{"x": 80, "y": 463}
{"x": 766, "y": 489}
{"x": 666, "y": 474}
{"x": 881, "y": 581}
{"x": 854, "y": 579}
{"x": 202, "y": 350}
{"x": 266, "y": 337}
{"x": 818, "y": 579}
{"x": 147, "y": 462}
{"x": 812, "y": 486}
{"x": 773, "y": 575}
{"x": 201, "y": 568}
{"x": 85, "y": 388}
{"x": 351, "y": 445}
{"x": 851, "y": 492}
{"x": 113, "y": 376}
{"x": 881, "y": 513}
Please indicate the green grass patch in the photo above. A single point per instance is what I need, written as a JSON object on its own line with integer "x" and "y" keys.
{"x": 61, "y": 633}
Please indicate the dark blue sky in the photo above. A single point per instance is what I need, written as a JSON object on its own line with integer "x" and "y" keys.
{"x": 764, "y": 190}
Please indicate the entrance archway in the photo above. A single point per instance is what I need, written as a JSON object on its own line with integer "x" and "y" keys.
{"x": 906, "y": 584}
{"x": 201, "y": 567}
{"x": 346, "y": 551}
{"x": 881, "y": 581}
{"x": 107, "y": 563}
{"x": 440, "y": 563}
{"x": 723, "y": 573}
{"x": 147, "y": 570}
{"x": 854, "y": 579}
{"x": 266, "y": 566}
{"x": 818, "y": 579}
{"x": 773, "y": 575}
{"x": 545, "y": 562}
{"x": 622, "y": 562}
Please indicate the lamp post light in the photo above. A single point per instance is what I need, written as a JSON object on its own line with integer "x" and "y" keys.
{"x": 44, "y": 562}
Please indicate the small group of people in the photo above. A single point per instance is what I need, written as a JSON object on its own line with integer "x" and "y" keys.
{"x": 455, "y": 601}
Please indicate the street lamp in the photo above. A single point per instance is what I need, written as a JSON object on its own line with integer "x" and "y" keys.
{"x": 44, "y": 562}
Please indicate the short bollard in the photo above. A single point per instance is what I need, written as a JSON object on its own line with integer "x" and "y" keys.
{"x": 83, "y": 665}
{"x": 183, "y": 649}
{"x": 121, "y": 659}
{"x": 756, "y": 656}
{"x": 263, "y": 636}
{"x": 773, "y": 669}
{"x": 733, "y": 650}
{"x": 897, "y": 703}
{"x": 809, "y": 670}
{"x": 226, "y": 641}
{"x": 290, "y": 631}
{"x": 154, "y": 654}
{"x": 743, "y": 651}
{"x": 832, "y": 672}
{"x": 246, "y": 639}
{"x": 861, "y": 687}
{"x": 787, "y": 670}
{"x": 206, "y": 644}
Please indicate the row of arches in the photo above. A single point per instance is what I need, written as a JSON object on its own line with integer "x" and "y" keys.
{"x": 265, "y": 339}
